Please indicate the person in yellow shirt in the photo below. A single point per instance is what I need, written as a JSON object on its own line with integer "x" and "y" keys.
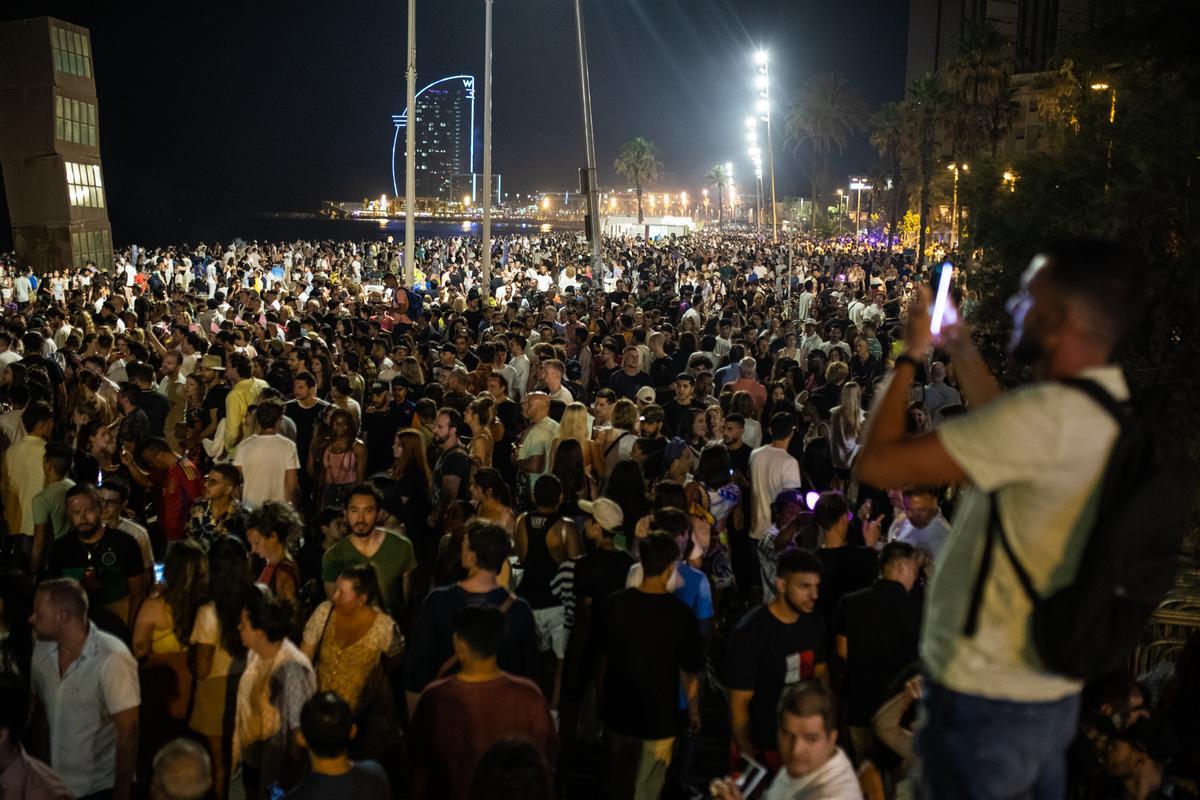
{"x": 245, "y": 391}
{"x": 23, "y": 478}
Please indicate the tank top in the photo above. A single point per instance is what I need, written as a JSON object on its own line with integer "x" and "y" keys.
{"x": 540, "y": 566}
{"x": 340, "y": 468}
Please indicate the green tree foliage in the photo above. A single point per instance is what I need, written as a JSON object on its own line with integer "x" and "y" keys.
{"x": 637, "y": 161}
{"x": 1144, "y": 196}
{"x": 718, "y": 179}
{"x": 828, "y": 111}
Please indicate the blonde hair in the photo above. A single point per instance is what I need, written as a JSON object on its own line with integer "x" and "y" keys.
{"x": 848, "y": 416}
{"x": 573, "y": 424}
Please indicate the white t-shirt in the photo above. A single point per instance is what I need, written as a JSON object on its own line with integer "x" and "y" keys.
{"x": 101, "y": 682}
{"x": 833, "y": 780}
{"x": 772, "y": 469}
{"x": 1042, "y": 450}
{"x": 264, "y": 461}
{"x": 931, "y": 538}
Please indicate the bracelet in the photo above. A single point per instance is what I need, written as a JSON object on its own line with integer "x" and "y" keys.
{"x": 904, "y": 358}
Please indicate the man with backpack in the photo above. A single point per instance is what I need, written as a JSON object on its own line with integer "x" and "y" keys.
{"x": 1006, "y": 642}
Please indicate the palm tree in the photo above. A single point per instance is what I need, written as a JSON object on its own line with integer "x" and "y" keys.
{"x": 980, "y": 78}
{"x": 887, "y": 137}
{"x": 923, "y": 112}
{"x": 637, "y": 161}
{"x": 718, "y": 178}
{"x": 829, "y": 111}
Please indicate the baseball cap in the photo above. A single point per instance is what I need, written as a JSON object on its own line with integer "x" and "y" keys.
{"x": 674, "y": 449}
{"x": 379, "y": 387}
{"x": 653, "y": 413}
{"x": 645, "y": 395}
{"x": 608, "y": 514}
{"x": 212, "y": 362}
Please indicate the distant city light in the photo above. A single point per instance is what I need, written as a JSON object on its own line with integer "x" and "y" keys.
{"x": 762, "y": 106}
{"x": 760, "y": 57}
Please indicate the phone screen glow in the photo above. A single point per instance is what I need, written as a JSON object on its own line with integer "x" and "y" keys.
{"x": 939, "y": 303}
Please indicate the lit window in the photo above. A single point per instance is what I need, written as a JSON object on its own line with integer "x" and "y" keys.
{"x": 84, "y": 185}
{"x": 71, "y": 52}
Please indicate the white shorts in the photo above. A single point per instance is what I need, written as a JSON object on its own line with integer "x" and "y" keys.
{"x": 551, "y": 630}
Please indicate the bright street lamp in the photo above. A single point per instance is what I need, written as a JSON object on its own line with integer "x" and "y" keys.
{"x": 762, "y": 82}
{"x": 760, "y": 57}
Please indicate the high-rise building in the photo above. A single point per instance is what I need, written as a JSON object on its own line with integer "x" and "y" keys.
{"x": 50, "y": 145}
{"x": 445, "y": 120}
{"x": 446, "y": 137}
{"x": 1035, "y": 27}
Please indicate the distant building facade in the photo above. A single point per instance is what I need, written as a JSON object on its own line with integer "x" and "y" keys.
{"x": 1036, "y": 29}
{"x": 50, "y": 145}
{"x": 446, "y": 137}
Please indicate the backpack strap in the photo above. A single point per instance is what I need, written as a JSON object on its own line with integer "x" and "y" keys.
{"x": 615, "y": 442}
{"x": 451, "y": 662}
{"x": 1102, "y": 397}
{"x": 995, "y": 531}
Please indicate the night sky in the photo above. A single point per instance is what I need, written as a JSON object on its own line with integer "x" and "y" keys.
{"x": 270, "y": 106}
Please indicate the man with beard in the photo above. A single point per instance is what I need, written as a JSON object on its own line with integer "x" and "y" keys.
{"x": 999, "y": 722}
{"x": 105, "y": 561}
{"x": 86, "y": 684}
{"x": 390, "y": 553}
{"x": 453, "y": 465}
{"x": 772, "y": 647}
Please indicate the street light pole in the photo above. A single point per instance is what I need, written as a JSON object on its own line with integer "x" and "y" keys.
{"x": 589, "y": 141}
{"x": 410, "y": 153}
{"x": 486, "y": 270}
{"x": 764, "y": 67}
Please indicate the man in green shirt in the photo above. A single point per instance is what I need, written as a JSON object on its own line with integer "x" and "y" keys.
{"x": 390, "y": 553}
{"x": 50, "y": 504}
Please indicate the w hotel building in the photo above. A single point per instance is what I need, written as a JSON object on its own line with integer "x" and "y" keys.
{"x": 50, "y": 145}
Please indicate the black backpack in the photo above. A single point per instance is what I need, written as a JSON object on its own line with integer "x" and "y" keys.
{"x": 1091, "y": 627}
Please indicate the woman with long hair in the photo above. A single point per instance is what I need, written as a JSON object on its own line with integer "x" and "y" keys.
{"x": 627, "y": 488}
{"x": 574, "y": 426}
{"x": 845, "y": 426}
{"x": 194, "y": 392}
{"x": 693, "y": 429}
{"x": 273, "y": 530}
{"x": 343, "y": 459}
{"x": 479, "y": 416}
{"x": 219, "y": 651}
{"x": 350, "y": 640}
{"x": 95, "y": 453}
{"x": 571, "y": 472}
{"x": 492, "y": 501}
{"x": 162, "y": 635}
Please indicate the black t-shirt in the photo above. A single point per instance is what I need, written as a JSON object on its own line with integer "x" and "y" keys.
{"x": 430, "y": 645}
{"x": 597, "y": 575}
{"x": 379, "y": 430}
{"x": 847, "y": 569}
{"x": 765, "y": 655}
{"x": 741, "y": 459}
{"x": 626, "y": 386}
{"x": 156, "y": 406}
{"x": 113, "y": 559}
{"x": 306, "y": 420}
{"x": 648, "y": 639}
{"x": 366, "y": 780}
{"x": 215, "y": 399}
{"x": 673, "y": 412}
{"x": 450, "y": 463}
{"x": 881, "y": 624}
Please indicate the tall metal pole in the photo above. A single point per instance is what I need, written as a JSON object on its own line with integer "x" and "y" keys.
{"x": 771, "y": 160}
{"x": 487, "y": 151}
{"x": 410, "y": 153}
{"x": 593, "y": 189}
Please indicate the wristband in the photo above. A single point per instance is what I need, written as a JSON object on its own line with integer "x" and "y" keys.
{"x": 906, "y": 359}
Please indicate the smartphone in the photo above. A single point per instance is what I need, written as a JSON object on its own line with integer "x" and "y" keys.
{"x": 942, "y": 277}
{"x": 159, "y": 573}
{"x": 748, "y": 775}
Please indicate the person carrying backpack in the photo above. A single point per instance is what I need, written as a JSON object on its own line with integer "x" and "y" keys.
{"x": 1044, "y": 580}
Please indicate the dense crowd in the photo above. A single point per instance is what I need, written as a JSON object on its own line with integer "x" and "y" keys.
{"x": 277, "y": 523}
